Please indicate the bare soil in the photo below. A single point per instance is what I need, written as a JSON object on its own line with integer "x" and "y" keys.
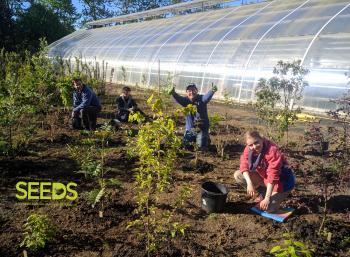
{"x": 235, "y": 232}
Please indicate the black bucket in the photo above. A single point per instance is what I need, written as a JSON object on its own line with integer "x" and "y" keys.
{"x": 213, "y": 197}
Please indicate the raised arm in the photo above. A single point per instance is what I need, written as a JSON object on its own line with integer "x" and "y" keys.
{"x": 208, "y": 96}
{"x": 184, "y": 101}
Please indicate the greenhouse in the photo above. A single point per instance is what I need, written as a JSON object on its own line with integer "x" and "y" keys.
{"x": 232, "y": 47}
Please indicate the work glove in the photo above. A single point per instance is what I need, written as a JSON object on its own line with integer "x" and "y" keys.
{"x": 171, "y": 90}
{"x": 214, "y": 88}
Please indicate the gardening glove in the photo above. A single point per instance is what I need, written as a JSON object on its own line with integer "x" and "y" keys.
{"x": 214, "y": 88}
{"x": 171, "y": 90}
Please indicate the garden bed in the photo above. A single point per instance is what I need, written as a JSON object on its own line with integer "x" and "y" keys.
{"x": 234, "y": 232}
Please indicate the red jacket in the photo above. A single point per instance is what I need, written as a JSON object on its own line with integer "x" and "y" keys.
{"x": 270, "y": 165}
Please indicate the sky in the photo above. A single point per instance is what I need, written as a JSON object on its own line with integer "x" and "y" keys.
{"x": 77, "y": 5}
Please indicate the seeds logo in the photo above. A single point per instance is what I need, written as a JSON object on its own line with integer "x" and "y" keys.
{"x": 46, "y": 191}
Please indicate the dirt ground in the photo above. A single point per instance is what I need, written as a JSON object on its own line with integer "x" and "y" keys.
{"x": 236, "y": 232}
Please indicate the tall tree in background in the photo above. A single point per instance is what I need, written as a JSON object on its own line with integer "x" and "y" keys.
{"x": 65, "y": 11}
{"x": 132, "y": 6}
{"x": 6, "y": 26}
{"x": 143, "y": 5}
{"x": 38, "y": 22}
{"x": 96, "y": 9}
{"x": 24, "y": 22}
{"x": 9, "y": 10}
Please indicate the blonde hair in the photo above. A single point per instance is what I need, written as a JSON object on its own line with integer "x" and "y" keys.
{"x": 253, "y": 134}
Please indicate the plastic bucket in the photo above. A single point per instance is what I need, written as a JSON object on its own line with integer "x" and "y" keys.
{"x": 213, "y": 197}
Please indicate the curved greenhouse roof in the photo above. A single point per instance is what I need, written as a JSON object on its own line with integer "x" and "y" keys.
{"x": 231, "y": 47}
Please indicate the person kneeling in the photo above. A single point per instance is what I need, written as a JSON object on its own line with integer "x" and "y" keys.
{"x": 86, "y": 106}
{"x": 197, "y": 125}
{"x": 126, "y": 105}
{"x": 264, "y": 169}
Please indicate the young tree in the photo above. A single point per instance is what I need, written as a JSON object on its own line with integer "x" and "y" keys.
{"x": 156, "y": 146}
{"x": 277, "y": 96}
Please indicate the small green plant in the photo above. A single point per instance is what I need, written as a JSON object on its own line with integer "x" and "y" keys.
{"x": 185, "y": 193}
{"x": 83, "y": 153}
{"x": 38, "y": 230}
{"x": 103, "y": 136}
{"x": 214, "y": 122}
{"x": 228, "y": 101}
{"x": 90, "y": 154}
{"x": 291, "y": 248}
{"x": 220, "y": 142}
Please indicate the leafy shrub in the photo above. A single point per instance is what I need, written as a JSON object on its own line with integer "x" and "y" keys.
{"x": 38, "y": 231}
{"x": 156, "y": 146}
{"x": 291, "y": 248}
{"x": 276, "y": 98}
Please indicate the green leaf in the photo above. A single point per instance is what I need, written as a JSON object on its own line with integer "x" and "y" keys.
{"x": 98, "y": 197}
{"x": 288, "y": 242}
{"x": 299, "y": 244}
{"x": 114, "y": 182}
{"x": 275, "y": 249}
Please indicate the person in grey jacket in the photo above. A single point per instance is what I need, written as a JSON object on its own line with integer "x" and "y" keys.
{"x": 197, "y": 126}
{"x": 86, "y": 106}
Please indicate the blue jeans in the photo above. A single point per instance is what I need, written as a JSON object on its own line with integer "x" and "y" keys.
{"x": 201, "y": 138}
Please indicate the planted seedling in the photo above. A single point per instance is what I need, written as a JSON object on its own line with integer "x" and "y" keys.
{"x": 156, "y": 146}
{"x": 228, "y": 101}
{"x": 331, "y": 179}
{"x": 90, "y": 155}
{"x": 318, "y": 138}
{"x": 220, "y": 142}
{"x": 38, "y": 230}
{"x": 341, "y": 117}
{"x": 291, "y": 248}
{"x": 103, "y": 135}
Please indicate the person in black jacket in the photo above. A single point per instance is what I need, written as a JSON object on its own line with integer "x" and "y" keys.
{"x": 125, "y": 105}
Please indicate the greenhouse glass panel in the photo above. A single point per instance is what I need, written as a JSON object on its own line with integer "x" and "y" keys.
{"x": 232, "y": 47}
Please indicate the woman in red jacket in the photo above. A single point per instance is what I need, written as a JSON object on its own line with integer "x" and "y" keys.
{"x": 263, "y": 167}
